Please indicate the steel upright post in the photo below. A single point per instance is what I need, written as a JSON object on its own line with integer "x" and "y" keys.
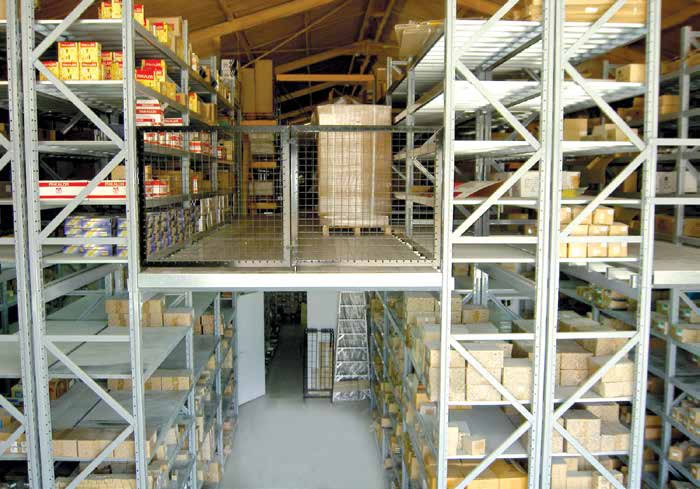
{"x": 646, "y": 247}
{"x": 16, "y": 148}
{"x": 547, "y": 292}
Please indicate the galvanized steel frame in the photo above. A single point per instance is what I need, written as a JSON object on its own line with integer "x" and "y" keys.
{"x": 555, "y": 64}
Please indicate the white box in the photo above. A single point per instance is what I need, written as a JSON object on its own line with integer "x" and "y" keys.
{"x": 67, "y": 189}
{"x": 666, "y": 183}
{"x": 529, "y": 184}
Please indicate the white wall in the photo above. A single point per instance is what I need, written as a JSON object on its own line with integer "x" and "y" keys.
{"x": 250, "y": 320}
{"x": 321, "y": 308}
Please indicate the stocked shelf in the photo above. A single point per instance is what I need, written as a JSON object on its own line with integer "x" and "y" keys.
{"x": 516, "y": 44}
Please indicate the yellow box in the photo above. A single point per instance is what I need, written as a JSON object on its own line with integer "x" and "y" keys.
{"x": 576, "y": 250}
{"x": 53, "y": 67}
{"x": 104, "y": 11}
{"x": 89, "y": 52}
{"x": 91, "y": 71}
{"x": 117, "y": 56}
{"x": 597, "y": 250}
{"x": 158, "y": 66}
{"x": 160, "y": 31}
{"x": 116, "y": 9}
{"x": 68, "y": 52}
{"x": 139, "y": 14}
{"x": 194, "y": 102}
{"x": 116, "y": 71}
{"x": 70, "y": 70}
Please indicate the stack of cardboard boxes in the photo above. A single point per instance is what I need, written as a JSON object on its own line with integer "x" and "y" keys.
{"x": 601, "y": 222}
{"x": 117, "y": 309}
{"x": 257, "y": 90}
{"x": 84, "y": 61}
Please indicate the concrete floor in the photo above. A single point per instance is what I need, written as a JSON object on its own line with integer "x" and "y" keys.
{"x": 286, "y": 442}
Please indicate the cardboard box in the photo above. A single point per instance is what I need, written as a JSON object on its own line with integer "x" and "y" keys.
{"x": 140, "y": 14}
{"x": 89, "y": 52}
{"x": 248, "y": 90}
{"x": 116, "y": 9}
{"x": 104, "y": 10}
{"x": 180, "y": 316}
{"x": 528, "y": 185}
{"x": 69, "y": 70}
{"x": 666, "y": 183}
{"x": 622, "y": 371}
{"x": 607, "y": 411}
{"x": 572, "y": 377}
{"x": 597, "y": 250}
{"x": 572, "y": 355}
{"x": 691, "y": 227}
{"x": 576, "y": 210}
{"x": 604, "y": 215}
{"x": 264, "y": 91}
{"x": 68, "y": 52}
{"x": 53, "y": 67}
{"x": 613, "y": 389}
{"x": 565, "y": 215}
{"x": 116, "y": 71}
{"x": 575, "y": 129}
{"x": 472, "y": 313}
{"x": 631, "y": 73}
{"x": 91, "y": 71}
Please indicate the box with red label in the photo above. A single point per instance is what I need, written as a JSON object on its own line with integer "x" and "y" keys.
{"x": 150, "y": 137}
{"x": 157, "y": 188}
{"x": 200, "y": 147}
{"x": 146, "y": 77}
{"x": 158, "y": 67}
{"x": 91, "y": 71}
{"x": 139, "y": 14}
{"x": 160, "y": 31}
{"x": 193, "y": 102}
{"x": 66, "y": 189}
{"x": 68, "y": 52}
{"x": 89, "y": 51}
{"x": 117, "y": 70}
{"x": 107, "y": 59}
{"x": 173, "y": 121}
{"x": 149, "y": 113}
{"x": 116, "y": 9}
{"x": 174, "y": 140}
{"x": 53, "y": 67}
{"x": 70, "y": 70}
{"x": 104, "y": 11}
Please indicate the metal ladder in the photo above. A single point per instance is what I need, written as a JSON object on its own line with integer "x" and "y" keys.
{"x": 351, "y": 374}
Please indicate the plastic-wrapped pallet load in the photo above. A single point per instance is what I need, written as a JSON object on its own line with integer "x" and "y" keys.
{"x": 354, "y": 168}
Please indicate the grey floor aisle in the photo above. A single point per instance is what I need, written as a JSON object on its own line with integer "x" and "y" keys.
{"x": 286, "y": 442}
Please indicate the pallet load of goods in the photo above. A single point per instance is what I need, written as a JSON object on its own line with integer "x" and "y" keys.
{"x": 354, "y": 169}
{"x": 261, "y": 155}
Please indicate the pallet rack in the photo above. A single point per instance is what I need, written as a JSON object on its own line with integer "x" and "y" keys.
{"x": 73, "y": 342}
{"x": 474, "y": 50}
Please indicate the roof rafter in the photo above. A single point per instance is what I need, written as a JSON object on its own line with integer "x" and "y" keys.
{"x": 258, "y": 18}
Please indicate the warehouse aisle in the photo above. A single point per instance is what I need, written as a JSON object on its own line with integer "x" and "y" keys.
{"x": 285, "y": 442}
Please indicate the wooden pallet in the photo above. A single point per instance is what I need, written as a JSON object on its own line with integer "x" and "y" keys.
{"x": 357, "y": 230}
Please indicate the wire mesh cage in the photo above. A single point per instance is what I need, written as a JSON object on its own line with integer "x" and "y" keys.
{"x": 353, "y": 201}
{"x": 318, "y": 362}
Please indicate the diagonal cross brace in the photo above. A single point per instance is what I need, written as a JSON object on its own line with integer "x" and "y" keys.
{"x": 605, "y": 193}
{"x": 10, "y": 408}
{"x": 602, "y": 20}
{"x": 491, "y": 379}
{"x": 101, "y": 457}
{"x": 588, "y": 456}
{"x": 690, "y": 303}
{"x": 586, "y": 386}
{"x": 96, "y": 388}
{"x": 62, "y": 27}
{"x": 476, "y": 471}
{"x": 507, "y": 114}
{"x": 5, "y": 445}
{"x": 89, "y": 113}
{"x": 78, "y": 199}
{"x": 604, "y": 107}
{"x": 500, "y": 191}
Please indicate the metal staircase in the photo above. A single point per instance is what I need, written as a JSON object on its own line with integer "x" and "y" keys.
{"x": 351, "y": 375}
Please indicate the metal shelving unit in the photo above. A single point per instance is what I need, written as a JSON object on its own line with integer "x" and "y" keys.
{"x": 76, "y": 343}
{"x": 469, "y": 52}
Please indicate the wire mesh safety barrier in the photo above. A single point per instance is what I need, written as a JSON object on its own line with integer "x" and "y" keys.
{"x": 318, "y": 362}
{"x": 281, "y": 196}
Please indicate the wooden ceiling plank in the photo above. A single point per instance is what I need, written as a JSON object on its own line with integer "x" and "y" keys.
{"x": 258, "y": 18}
{"x": 298, "y": 33}
{"x": 683, "y": 15}
{"x": 306, "y": 91}
{"x": 294, "y": 113}
{"x": 364, "y": 47}
{"x": 377, "y": 36}
{"x": 324, "y": 77}
{"x": 486, "y": 7}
